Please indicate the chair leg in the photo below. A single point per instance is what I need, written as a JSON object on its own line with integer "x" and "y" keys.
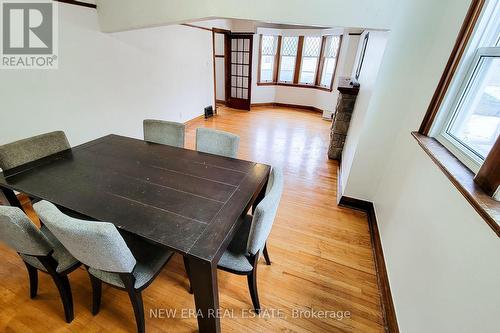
{"x": 136, "y": 300}
{"x": 186, "y": 267}
{"x": 96, "y": 294}
{"x": 266, "y": 255}
{"x": 62, "y": 284}
{"x": 33, "y": 275}
{"x": 64, "y": 289}
{"x": 252, "y": 286}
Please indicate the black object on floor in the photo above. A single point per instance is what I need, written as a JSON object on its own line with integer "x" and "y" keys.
{"x": 209, "y": 111}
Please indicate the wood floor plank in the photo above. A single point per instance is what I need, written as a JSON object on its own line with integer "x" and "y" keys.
{"x": 321, "y": 253}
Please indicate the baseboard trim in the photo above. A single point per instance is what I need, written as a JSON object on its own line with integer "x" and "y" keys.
{"x": 388, "y": 310}
{"x": 285, "y": 105}
{"x": 220, "y": 101}
{"x": 190, "y": 121}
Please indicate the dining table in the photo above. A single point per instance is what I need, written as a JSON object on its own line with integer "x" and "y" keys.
{"x": 189, "y": 202}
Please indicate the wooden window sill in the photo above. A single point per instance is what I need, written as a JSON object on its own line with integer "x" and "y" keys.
{"x": 463, "y": 179}
{"x": 297, "y": 85}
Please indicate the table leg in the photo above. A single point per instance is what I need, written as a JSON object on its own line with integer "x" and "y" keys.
{"x": 203, "y": 276}
{"x": 11, "y": 197}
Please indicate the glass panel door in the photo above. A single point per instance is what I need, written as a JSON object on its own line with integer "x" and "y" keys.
{"x": 240, "y": 71}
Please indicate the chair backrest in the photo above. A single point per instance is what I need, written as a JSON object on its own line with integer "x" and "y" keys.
{"x": 265, "y": 212}
{"x": 95, "y": 244}
{"x": 164, "y": 132}
{"x": 30, "y": 149}
{"x": 217, "y": 142}
{"x": 18, "y": 232}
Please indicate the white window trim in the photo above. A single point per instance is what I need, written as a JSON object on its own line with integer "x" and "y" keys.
{"x": 484, "y": 33}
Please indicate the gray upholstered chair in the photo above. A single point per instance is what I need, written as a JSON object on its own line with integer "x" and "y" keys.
{"x": 123, "y": 261}
{"x": 164, "y": 132}
{"x": 40, "y": 251}
{"x": 217, "y": 142}
{"x": 30, "y": 149}
{"x": 242, "y": 254}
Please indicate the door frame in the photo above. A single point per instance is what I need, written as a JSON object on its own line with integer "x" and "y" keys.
{"x": 214, "y": 57}
{"x": 227, "y": 70}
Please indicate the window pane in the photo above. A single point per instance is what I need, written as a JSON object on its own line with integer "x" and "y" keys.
{"x": 289, "y": 46}
{"x": 266, "y": 68}
{"x": 287, "y": 68}
{"x": 269, "y": 45}
{"x": 476, "y": 122}
{"x": 328, "y": 69}
{"x": 308, "y": 70}
{"x": 332, "y": 46}
{"x": 312, "y": 46}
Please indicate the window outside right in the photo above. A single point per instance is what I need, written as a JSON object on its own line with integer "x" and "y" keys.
{"x": 469, "y": 120}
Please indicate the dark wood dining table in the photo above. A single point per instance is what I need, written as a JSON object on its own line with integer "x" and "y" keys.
{"x": 188, "y": 201}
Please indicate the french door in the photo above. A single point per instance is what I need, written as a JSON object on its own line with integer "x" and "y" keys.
{"x": 239, "y": 70}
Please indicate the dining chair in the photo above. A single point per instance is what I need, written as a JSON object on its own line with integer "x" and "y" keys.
{"x": 217, "y": 142}
{"x": 164, "y": 132}
{"x": 242, "y": 254}
{"x": 30, "y": 149}
{"x": 123, "y": 261}
{"x": 40, "y": 251}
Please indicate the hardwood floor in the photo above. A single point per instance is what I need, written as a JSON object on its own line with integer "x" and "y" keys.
{"x": 321, "y": 254}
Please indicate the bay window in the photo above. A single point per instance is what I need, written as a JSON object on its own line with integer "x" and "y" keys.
{"x": 301, "y": 61}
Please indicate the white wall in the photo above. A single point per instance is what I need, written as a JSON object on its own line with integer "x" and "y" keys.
{"x": 369, "y": 71}
{"x": 320, "y": 99}
{"x": 442, "y": 258}
{"x": 108, "y": 83}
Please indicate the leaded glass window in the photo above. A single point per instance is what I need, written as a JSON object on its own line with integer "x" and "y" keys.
{"x": 267, "y": 57}
{"x": 310, "y": 57}
{"x": 332, "y": 45}
{"x": 289, "y": 47}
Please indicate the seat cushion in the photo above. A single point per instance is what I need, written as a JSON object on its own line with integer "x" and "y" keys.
{"x": 150, "y": 260}
{"x": 236, "y": 256}
{"x": 64, "y": 259}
